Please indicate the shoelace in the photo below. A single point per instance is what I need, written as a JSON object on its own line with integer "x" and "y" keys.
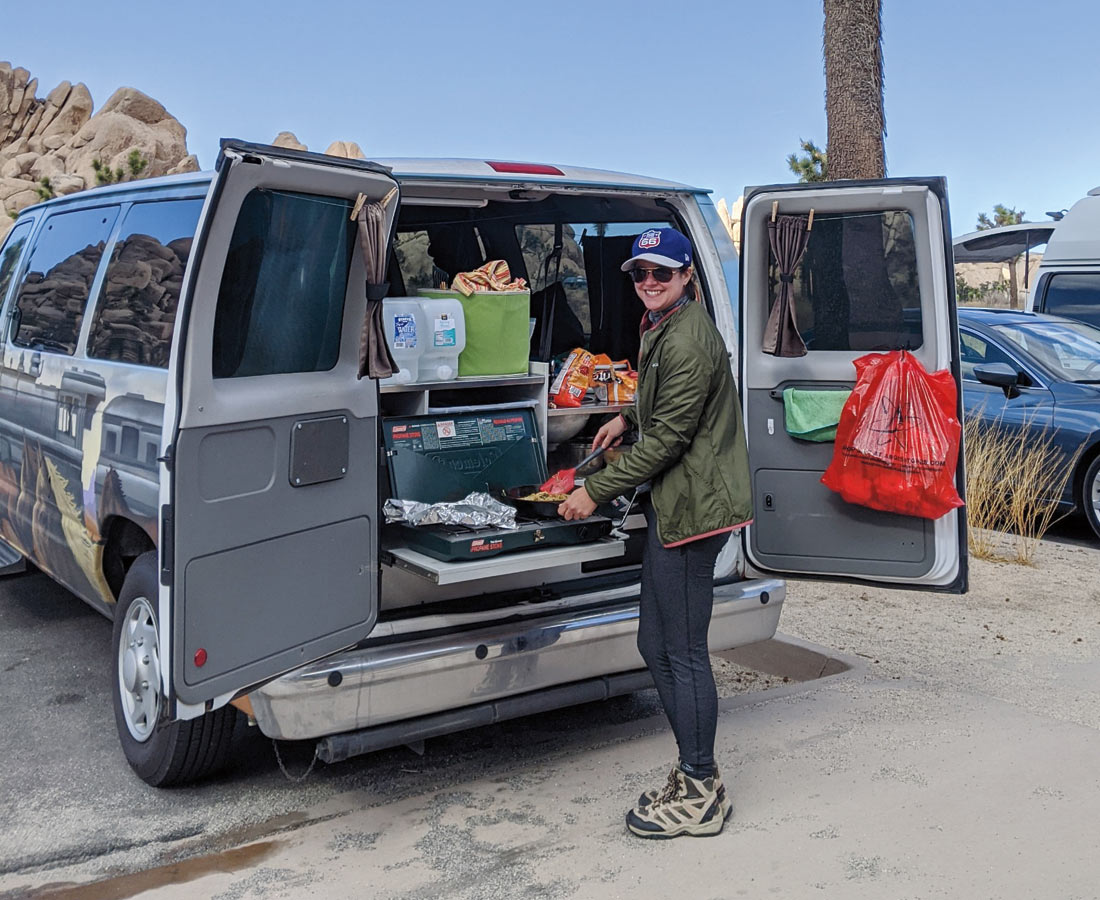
{"x": 670, "y": 793}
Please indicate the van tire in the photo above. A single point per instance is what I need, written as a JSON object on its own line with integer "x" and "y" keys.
{"x": 162, "y": 753}
{"x": 1090, "y": 488}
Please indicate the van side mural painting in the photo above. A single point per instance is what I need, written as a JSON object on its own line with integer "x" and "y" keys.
{"x": 80, "y": 437}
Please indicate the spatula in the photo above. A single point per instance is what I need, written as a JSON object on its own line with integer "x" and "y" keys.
{"x": 562, "y": 482}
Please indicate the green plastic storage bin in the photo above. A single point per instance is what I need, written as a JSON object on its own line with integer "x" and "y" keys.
{"x": 498, "y": 338}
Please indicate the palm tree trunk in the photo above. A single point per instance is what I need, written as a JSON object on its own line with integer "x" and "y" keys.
{"x": 853, "y": 89}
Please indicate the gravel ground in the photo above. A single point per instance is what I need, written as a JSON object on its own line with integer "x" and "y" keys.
{"x": 1017, "y": 635}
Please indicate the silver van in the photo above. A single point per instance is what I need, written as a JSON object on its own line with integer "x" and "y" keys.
{"x": 186, "y": 445}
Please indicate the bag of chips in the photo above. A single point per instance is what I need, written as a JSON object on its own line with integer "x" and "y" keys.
{"x": 573, "y": 380}
{"x": 614, "y": 382}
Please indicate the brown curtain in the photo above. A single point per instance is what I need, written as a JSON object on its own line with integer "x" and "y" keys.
{"x": 375, "y": 359}
{"x": 788, "y": 236}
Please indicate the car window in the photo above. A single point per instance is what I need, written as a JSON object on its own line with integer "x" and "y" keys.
{"x": 1069, "y": 353}
{"x": 137, "y": 308}
{"x": 60, "y": 272}
{"x": 977, "y": 351}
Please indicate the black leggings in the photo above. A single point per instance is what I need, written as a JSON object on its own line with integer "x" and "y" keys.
{"x": 677, "y": 598}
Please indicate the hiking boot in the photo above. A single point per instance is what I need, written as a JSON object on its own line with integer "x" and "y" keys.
{"x": 727, "y": 805}
{"x": 686, "y": 806}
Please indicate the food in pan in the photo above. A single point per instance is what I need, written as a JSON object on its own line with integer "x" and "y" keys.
{"x": 545, "y": 497}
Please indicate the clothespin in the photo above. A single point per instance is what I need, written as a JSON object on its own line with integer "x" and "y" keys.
{"x": 775, "y": 209}
{"x": 359, "y": 201}
{"x": 810, "y": 220}
{"x": 389, "y": 196}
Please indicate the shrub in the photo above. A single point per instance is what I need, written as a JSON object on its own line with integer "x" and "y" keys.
{"x": 985, "y": 294}
{"x": 135, "y": 165}
{"x": 44, "y": 189}
{"x": 1013, "y": 482}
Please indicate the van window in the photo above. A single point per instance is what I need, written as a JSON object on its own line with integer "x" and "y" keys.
{"x": 282, "y": 293}
{"x": 59, "y": 278}
{"x": 857, "y": 285}
{"x": 1075, "y": 295}
{"x": 137, "y": 306}
{"x": 9, "y": 256}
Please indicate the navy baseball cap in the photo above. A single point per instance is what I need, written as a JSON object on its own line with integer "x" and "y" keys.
{"x": 663, "y": 246}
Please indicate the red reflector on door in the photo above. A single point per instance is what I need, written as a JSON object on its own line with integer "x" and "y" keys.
{"x": 200, "y": 657}
{"x": 513, "y": 168}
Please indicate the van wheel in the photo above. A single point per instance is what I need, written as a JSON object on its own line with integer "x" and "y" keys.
{"x": 162, "y": 753}
{"x": 1089, "y": 500}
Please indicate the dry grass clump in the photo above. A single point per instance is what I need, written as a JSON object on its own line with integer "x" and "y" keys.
{"x": 1014, "y": 478}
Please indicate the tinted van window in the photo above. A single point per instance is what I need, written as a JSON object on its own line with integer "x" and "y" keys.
{"x": 1075, "y": 295}
{"x": 137, "y": 306}
{"x": 857, "y": 286}
{"x": 59, "y": 278}
{"x": 9, "y": 256}
{"x": 281, "y": 299}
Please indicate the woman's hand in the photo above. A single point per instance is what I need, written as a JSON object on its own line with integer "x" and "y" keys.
{"x": 577, "y": 505}
{"x": 610, "y": 433}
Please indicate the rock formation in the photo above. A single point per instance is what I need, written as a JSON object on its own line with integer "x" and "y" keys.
{"x": 58, "y": 138}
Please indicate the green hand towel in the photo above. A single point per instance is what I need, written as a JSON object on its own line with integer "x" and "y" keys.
{"x": 813, "y": 415}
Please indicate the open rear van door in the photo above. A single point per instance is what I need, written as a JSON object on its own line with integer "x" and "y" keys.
{"x": 269, "y": 550}
{"x": 876, "y": 275}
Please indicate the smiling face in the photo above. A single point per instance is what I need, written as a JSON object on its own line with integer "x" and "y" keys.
{"x": 657, "y": 296}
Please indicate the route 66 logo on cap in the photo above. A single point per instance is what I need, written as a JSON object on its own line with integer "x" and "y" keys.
{"x": 674, "y": 249}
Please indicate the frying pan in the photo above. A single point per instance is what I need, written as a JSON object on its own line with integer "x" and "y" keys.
{"x": 541, "y": 509}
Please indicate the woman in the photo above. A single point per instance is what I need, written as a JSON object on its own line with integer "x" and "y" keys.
{"x": 691, "y": 453}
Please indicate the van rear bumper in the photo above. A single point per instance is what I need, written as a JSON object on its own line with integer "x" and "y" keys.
{"x": 376, "y": 685}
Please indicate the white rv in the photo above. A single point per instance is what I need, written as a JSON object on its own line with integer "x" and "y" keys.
{"x": 1068, "y": 281}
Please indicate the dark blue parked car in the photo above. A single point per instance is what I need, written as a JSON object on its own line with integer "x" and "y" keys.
{"x": 1041, "y": 372}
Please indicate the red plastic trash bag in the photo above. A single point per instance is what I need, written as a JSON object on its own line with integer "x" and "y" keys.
{"x": 897, "y": 444}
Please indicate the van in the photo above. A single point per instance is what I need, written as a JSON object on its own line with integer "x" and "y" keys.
{"x": 1068, "y": 280}
{"x": 187, "y": 446}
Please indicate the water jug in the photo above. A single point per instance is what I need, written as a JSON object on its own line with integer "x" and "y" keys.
{"x": 445, "y": 338}
{"x": 406, "y": 335}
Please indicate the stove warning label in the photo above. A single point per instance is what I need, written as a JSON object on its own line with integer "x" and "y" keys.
{"x": 461, "y": 433}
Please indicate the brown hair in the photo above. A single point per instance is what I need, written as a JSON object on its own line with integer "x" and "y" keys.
{"x": 694, "y": 288}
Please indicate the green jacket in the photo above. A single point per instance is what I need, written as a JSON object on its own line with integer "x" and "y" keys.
{"x": 692, "y": 445}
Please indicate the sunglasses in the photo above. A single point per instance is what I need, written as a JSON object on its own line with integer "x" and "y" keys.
{"x": 661, "y": 274}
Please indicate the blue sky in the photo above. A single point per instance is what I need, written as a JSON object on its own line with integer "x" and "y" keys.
{"x": 998, "y": 95}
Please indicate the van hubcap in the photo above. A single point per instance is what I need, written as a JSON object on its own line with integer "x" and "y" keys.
{"x": 139, "y": 670}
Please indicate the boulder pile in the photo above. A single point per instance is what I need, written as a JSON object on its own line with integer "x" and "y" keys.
{"x": 48, "y": 145}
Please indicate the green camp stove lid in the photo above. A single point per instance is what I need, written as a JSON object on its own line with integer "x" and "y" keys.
{"x": 442, "y": 457}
